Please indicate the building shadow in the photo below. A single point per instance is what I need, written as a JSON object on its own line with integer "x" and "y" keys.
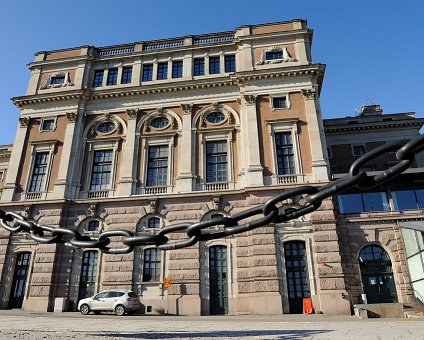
{"x": 285, "y": 334}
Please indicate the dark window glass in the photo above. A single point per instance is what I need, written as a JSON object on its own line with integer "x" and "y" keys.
{"x": 358, "y": 150}
{"x": 285, "y": 155}
{"x": 214, "y": 65}
{"x": 274, "y": 55}
{"x": 215, "y": 117}
{"x": 147, "y": 72}
{"x": 153, "y": 222}
{"x": 98, "y": 78}
{"x": 162, "y": 71}
{"x": 230, "y": 63}
{"x": 57, "y": 80}
{"x": 48, "y": 124}
{"x": 39, "y": 172}
{"x": 151, "y": 265}
{"x": 106, "y": 127}
{"x": 112, "y": 76}
{"x": 160, "y": 122}
{"x": 199, "y": 67}
{"x": 361, "y": 202}
{"x": 177, "y": 69}
{"x": 126, "y": 75}
{"x": 93, "y": 225}
{"x": 88, "y": 274}
{"x": 373, "y": 253}
{"x": 157, "y": 166}
{"x": 102, "y": 169}
{"x": 216, "y": 161}
{"x": 408, "y": 199}
{"x": 279, "y": 102}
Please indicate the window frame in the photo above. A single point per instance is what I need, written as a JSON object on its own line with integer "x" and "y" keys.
{"x": 215, "y": 66}
{"x": 96, "y": 82}
{"x": 112, "y": 76}
{"x": 149, "y": 72}
{"x": 231, "y": 63}
{"x": 358, "y": 145}
{"x": 158, "y": 269}
{"x": 277, "y": 96}
{"x": 126, "y": 77}
{"x": 162, "y": 71}
{"x": 176, "y": 70}
{"x": 199, "y": 70}
{"x": 2, "y": 174}
{"x": 43, "y": 120}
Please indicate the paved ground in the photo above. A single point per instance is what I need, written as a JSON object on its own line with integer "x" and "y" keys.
{"x": 35, "y": 326}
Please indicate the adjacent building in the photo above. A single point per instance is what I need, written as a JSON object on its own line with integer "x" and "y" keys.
{"x": 144, "y": 135}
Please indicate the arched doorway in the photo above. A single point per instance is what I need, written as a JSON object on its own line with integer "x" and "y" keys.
{"x": 19, "y": 280}
{"x": 218, "y": 280}
{"x": 297, "y": 275}
{"x": 377, "y": 275}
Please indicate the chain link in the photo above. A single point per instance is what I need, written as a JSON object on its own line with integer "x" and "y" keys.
{"x": 225, "y": 226}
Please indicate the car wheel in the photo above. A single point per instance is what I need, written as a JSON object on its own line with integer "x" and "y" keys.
{"x": 84, "y": 309}
{"x": 120, "y": 310}
{"x": 97, "y": 312}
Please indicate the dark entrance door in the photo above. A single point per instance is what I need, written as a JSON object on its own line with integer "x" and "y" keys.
{"x": 377, "y": 275}
{"x": 297, "y": 275}
{"x": 19, "y": 280}
{"x": 218, "y": 280}
{"x": 88, "y": 274}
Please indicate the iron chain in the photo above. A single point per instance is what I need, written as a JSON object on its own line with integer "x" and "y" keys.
{"x": 225, "y": 226}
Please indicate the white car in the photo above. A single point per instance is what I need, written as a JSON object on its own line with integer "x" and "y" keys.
{"x": 118, "y": 301}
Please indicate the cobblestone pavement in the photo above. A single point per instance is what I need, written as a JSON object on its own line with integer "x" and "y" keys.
{"x": 35, "y": 326}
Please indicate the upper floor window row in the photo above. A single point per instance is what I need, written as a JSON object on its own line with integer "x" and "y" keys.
{"x": 112, "y": 76}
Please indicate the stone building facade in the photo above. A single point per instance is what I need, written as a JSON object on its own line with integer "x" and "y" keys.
{"x": 141, "y": 136}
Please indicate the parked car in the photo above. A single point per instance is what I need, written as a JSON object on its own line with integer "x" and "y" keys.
{"x": 118, "y": 301}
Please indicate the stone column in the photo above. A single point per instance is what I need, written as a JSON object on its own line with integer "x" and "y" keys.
{"x": 250, "y": 141}
{"x": 15, "y": 159}
{"x": 316, "y": 136}
{"x": 61, "y": 186}
{"x": 129, "y": 159}
{"x": 185, "y": 179}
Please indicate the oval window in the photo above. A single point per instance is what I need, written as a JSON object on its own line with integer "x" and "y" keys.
{"x": 215, "y": 117}
{"x": 106, "y": 127}
{"x": 159, "y": 123}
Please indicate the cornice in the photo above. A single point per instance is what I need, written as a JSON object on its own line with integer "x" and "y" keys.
{"x": 374, "y": 126}
{"x": 236, "y": 79}
{"x": 294, "y": 33}
{"x": 35, "y": 64}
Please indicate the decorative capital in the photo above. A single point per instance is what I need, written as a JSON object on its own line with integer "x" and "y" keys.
{"x": 132, "y": 113}
{"x": 250, "y": 99}
{"x": 187, "y": 108}
{"x": 309, "y": 93}
{"x": 24, "y": 121}
{"x": 72, "y": 116}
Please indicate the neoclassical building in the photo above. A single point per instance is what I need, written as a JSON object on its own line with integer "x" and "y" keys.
{"x": 146, "y": 135}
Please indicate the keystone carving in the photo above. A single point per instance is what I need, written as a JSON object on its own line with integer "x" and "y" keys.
{"x": 72, "y": 116}
{"x": 132, "y": 113}
{"x": 309, "y": 93}
{"x": 187, "y": 108}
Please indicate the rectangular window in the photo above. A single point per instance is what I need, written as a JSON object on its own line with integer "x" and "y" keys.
{"x": 1, "y": 175}
{"x": 98, "y": 78}
{"x": 57, "y": 80}
{"x": 147, "y": 72}
{"x": 279, "y": 102}
{"x": 162, "y": 71}
{"x": 216, "y": 161}
{"x": 285, "y": 153}
{"x": 126, "y": 75}
{"x": 151, "y": 265}
{"x": 112, "y": 76}
{"x": 362, "y": 202}
{"x": 102, "y": 169}
{"x": 177, "y": 69}
{"x": 39, "y": 172}
{"x": 358, "y": 150}
{"x": 48, "y": 125}
{"x": 199, "y": 67}
{"x": 408, "y": 199}
{"x": 230, "y": 63}
{"x": 274, "y": 55}
{"x": 93, "y": 225}
{"x": 214, "y": 65}
{"x": 157, "y": 166}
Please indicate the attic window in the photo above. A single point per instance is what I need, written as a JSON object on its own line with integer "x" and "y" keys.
{"x": 57, "y": 80}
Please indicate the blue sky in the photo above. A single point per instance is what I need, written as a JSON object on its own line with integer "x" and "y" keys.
{"x": 373, "y": 49}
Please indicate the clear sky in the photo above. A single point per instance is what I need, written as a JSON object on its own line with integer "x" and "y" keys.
{"x": 373, "y": 49}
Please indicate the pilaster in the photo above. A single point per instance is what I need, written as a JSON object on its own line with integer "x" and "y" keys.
{"x": 316, "y": 136}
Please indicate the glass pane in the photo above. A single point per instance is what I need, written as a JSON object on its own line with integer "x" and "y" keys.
{"x": 350, "y": 203}
{"x": 410, "y": 241}
{"x": 404, "y": 199}
{"x": 420, "y": 198}
{"x": 415, "y": 265}
{"x": 375, "y": 201}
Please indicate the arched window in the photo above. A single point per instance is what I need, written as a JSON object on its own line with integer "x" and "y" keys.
{"x": 373, "y": 253}
{"x": 153, "y": 222}
{"x": 93, "y": 225}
